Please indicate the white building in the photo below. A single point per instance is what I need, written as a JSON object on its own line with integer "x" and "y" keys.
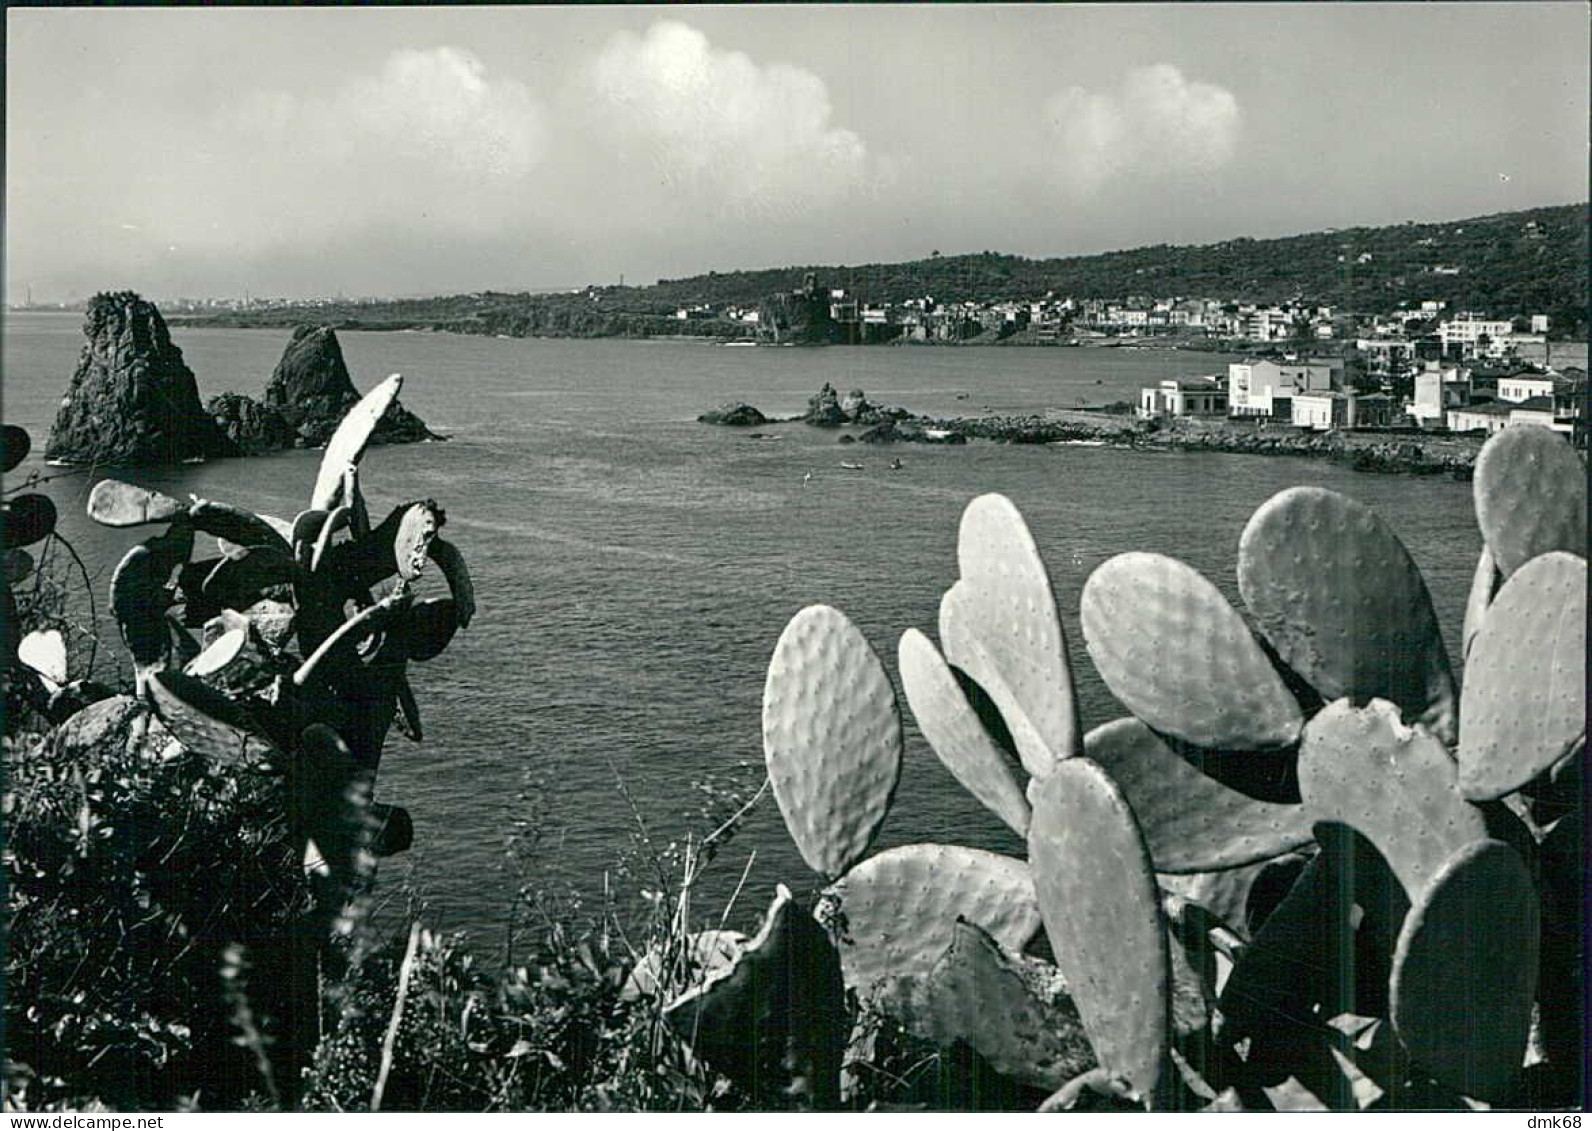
{"x": 1525, "y": 386}
{"x": 1466, "y": 331}
{"x": 1439, "y": 388}
{"x": 1186, "y": 396}
{"x": 1264, "y": 388}
{"x": 1333, "y": 409}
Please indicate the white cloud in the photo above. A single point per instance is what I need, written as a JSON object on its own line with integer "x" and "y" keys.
{"x": 430, "y": 135}
{"x": 758, "y": 137}
{"x": 1156, "y": 123}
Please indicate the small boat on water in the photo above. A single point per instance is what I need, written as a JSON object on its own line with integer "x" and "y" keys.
{"x": 896, "y": 464}
{"x": 849, "y": 465}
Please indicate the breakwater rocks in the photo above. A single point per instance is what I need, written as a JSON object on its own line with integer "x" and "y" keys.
{"x": 1398, "y": 453}
{"x": 1406, "y": 453}
{"x": 737, "y": 414}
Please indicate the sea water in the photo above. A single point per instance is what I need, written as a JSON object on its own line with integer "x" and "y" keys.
{"x": 634, "y": 568}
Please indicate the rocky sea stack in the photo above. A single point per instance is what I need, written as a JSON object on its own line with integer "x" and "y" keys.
{"x": 133, "y": 400}
{"x": 311, "y": 390}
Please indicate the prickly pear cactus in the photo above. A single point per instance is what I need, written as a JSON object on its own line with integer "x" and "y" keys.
{"x": 1340, "y": 599}
{"x": 1530, "y": 491}
{"x": 1396, "y": 785}
{"x": 955, "y": 733}
{"x": 1012, "y": 1010}
{"x": 775, "y": 1021}
{"x": 894, "y": 913}
{"x": 1180, "y": 657}
{"x": 831, "y": 736}
{"x": 1102, "y": 913}
{"x": 1465, "y": 971}
{"x": 1524, "y": 700}
{"x": 999, "y": 625}
{"x": 1191, "y": 822}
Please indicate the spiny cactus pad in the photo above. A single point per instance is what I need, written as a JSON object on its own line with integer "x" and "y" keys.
{"x": 1191, "y": 822}
{"x": 1004, "y": 631}
{"x": 1180, "y": 657}
{"x": 1396, "y": 785}
{"x": 1524, "y": 700}
{"x": 347, "y": 445}
{"x": 1465, "y": 971}
{"x": 1102, "y": 913}
{"x": 28, "y": 518}
{"x": 114, "y": 503}
{"x": 953, "y": 729}
{"x": 1530, "y": 490}
{"x": 1483, "y": 587}
{"x": 831, "y": 736}
{"x": 1012, "y": 1010}
{"x": 775, "y": 1021}
{"x": 1339, "y": 597}
{"x": 44, "y": 650}
{"x": 704, "y": 954}
{"x": 207, "y": 722}
{"x": 236, "y": 525}
{"x": 893, "y": 913}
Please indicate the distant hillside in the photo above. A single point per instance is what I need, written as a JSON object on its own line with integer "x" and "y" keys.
{"x": 1513, "y": 263}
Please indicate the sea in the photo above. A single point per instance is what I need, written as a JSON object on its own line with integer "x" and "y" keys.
{"x": 634, "y": 569}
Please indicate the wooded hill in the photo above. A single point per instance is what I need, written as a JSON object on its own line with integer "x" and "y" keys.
{"x": 1509, "y": 264}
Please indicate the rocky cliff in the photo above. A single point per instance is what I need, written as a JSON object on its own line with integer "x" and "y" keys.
{"x": 132, "y": 400}
{"x": 312, "y": 390}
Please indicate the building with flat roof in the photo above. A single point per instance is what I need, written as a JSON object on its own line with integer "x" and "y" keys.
{"x": 1185, "y": 396}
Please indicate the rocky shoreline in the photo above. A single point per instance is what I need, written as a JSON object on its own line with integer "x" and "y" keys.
{"x": 1400, "y": 453}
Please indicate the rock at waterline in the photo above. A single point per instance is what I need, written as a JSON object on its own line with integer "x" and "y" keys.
{"x": 823, "y": 409}
{"x": 253, "y": 428}
{"x": 312, "y": 391}
{"x": 133, "y": 400}
{"x": 734, "y": 413}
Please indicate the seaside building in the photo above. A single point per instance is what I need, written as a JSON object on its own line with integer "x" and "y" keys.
{"x": 1490, "y": 417}
{"x": 1184, "y": 396}
{"x": 1341, "y": 409}
{"x": 1438, "y": 389}
{"x": 1266, "y": 388}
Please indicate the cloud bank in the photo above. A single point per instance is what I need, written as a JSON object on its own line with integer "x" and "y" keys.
{"x": 759, "y": 137}
{"x": 1156, "y": 124}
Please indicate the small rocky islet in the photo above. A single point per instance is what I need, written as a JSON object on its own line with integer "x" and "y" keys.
{"x": 1390, "y": 452}
{"x": 133, "y": 400}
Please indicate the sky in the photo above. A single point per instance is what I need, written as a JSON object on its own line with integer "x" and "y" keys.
{"x": 406, "y": 151}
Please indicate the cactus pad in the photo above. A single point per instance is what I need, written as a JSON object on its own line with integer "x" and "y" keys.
{"x": 1396, "y": 785}
{"x": 1339, "y": 597}
{"x": 236, "y": 526}
{"x": 1102, "y": 913}
{"x": 1240, "y": 898}
{"x": 347, "y": 445}
{"x": 999, "y": 625}
{"x": 1483, "y": 587}
{"x": 893, "y": 914}
{"x": 775, "y": 1021}
{"x": 953, "y": 729}
{"x": 207, "y": 722}
{"x": 28, "y": 518}
{"x": 1524, "y": 700}
{"x": 44, "y": 650}
{"x": 1180, "y": 657}
{"x": 704, "y": 954}
{"x": 415, "y": 531}
{"x": 114, "y": 503}
{"x": 1191, "y": 822}
{"x": 831, "y": 736}
{"x": 1465, "y": 971}
{"x": 218, "y": 653}
{"x": 451, "y": 563}
{"x": 1012, "y": 1010}
{"x": 1530, "y": 490}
